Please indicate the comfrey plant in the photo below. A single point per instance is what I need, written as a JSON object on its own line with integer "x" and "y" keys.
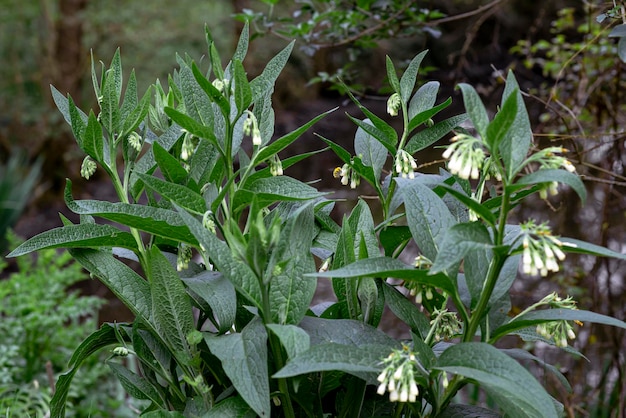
{"x": 225, "y": 246}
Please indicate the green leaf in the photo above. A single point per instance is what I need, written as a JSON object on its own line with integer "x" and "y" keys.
{"x": 115, "y": 75}
{"x": 514, "y": 389}
{"x": 217, "y": 251}
{"x": 428, "y": 136}
{"x": 171, "y": 307}
{"x": 233, "y": 406}
{"x": 136, "y": 386}
{"x": 392, "y": 77}
{"x": 381, "y": 136}
{"x": 169, "y": 165}
{"x": 157, "y": 221}
{"x": 192, "y": 126}
{"x": 424, "y": 116}
{"x": 501, "y": 123}
{"x": 198, "y": 107}
{"x": 244, "y": 359}
{"x": 77, "y": 236}
{"x": 521, "y": 355}
{"x": 424, "y": 98}
{"x": 514, "y": 147}
{"x": 428, "y": 218}
{"x": 582, "y": 247}
{"x": 550, "y": 175}
{"x": 99, "y": 339}
{"x": 467, "y": 411}
{"x": 372, "y": 152}
{"x": 459, "y": 240}
{"x": 341, "y": 152}
{"x": 110, "y": 115}
{"x": 130, "y": 96}
{"x": 336, "y": 357}
{"x": 286, "y": 140}
{"x": 63, "y": 104}
{"x": 243, "y": 93}
{"x": 137, "y": 114}
{"x": 294, "y": 339}
{"x": 77, "y": 122}
{"x": 93, "y": 141}
{"x": 290, "y": 292}
{"x": 242, "y": 44}
{"x": 621, "y": 48}
{"x": 618, "y": 31}
{"x": 176, "y": 193}
{"x": 406, "y": 311}
{"x": 389, "y": 267}
{"x": 273, "y": 189}
{"x": 483, "y": 212}
{"x": 214, "y": 94}
{"x": 392, "y": 238}
{"x": 475, "y": 109}
{"x": 344, "y": 331}
{"x": 407, "y": 81}
{"x": 388, "y": 133}
{"x": 548, "y": 315}
{"x": 130, "y": 288}
{"x": 218, "y": 294}
{"x": 265, "y": 81}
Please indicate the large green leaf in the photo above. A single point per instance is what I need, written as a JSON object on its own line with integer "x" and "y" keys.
{"x": 110, "y": 115}
{"x": 582, "y": 247}
{"x": 99, "y": 339}
{"x": 427, "y": 114}
{"x": 93, "y": 141}
{"x": 290, "y": 292}
{"x": 218, "y": 252}
{"x": 130, "y": 288}
{"x": 171, "y": 306}
{"x": 198, "y": 106}
{"x": 372, "y": 152}
{"x": 233, "y": 406}
{"x": 515, "y": 144}
{"x": 390, "y": 267}
{"x": 499, "y": 127}
{"x": 265, "y": 82}
{"x": 336, "y": 357}
{"x": 548, "y": 315}
{"x": 407, "y": 81}
{"x": 244, "y": 359}
{"x": 467, "y": 411}
{"x": 161, "y": 222}
{"x": 406, "y": 311}
{"x": 428, "y": 136}
{"x": 218, "y": 294}
{"x": 458, "y": 241}
{"x": 424, "y": 98}
{"x": 294, "y": 339}
{"x": 243, "y": 93}
{"x": 512, "y": 386}
{"x": 475, "y": 109}
{"x": 268, "y": 190}
{"x": 344, "y": 331}
{"x": 427, "y": 216}
{"x": 135, "y": 385}
{"x": 550, "y": 175}
{"x": 77, "y": 236}
{"x": 63, "y": 104}
{"x": 169, "y": 165}
{"x": 176, "y": 193}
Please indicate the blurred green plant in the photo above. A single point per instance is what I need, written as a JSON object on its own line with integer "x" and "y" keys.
{"x": 18, "y": 179}
{"x": 42, "y": 318}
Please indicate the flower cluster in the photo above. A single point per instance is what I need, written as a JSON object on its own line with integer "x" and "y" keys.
{"x": 560, "y": 331}
{"x": 184, "y": 257}
{"x": 135, "y": 141}
{"x": 405, "y": 164}
{"x": 221, "y": 85}
{"x": 398, "y": 376}
{"x": 188, "y": 147}
{"x": 393, "y": 104}
{"x": 550, "y": 158}
{"x": 466, "y": 156}
{"x": 347, "y": 175}
{"x": 88, "y": 167}
{"x": 541, "y": 249}
{"x": 445, "y": 324}
{"x": 276, "y": 166}
{"x": 251, "y": 127}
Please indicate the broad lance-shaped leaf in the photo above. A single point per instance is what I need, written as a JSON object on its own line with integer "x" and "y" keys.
{"x": 294, "y": 339}
{"x": 406, "y": 311}
{"x": 548, "y": 315}
{"x": 77, "y": 236}
{"x": 550, "y": 175}
{"x": 515, "y": 144}
{"x": 135, "y": 385}
{"x": 475, "y": 109}
{"x": 372, "y": 152}
{"x": 157, "y": 221}
{"x": 428, "y": 218}
{"x": 269, "y": 190}
{"x": 176, "y": 193}
{"x": 218, "y": 252}
{"x": 407, "y": 81}
{"x": 428, "y": 136}
{"x": 244, "y": 359}
{"x": 290, "y": 293}
{"x": 219, "y": 295}
{"x": 129, "y": 287}
{"x": 171, "y": 306}
{"x": 458, "y": 241}
{"x": 424, "y": 98}
{"x": 348, "y": 332}
{"x": 389, "y": 267}
{"x": 513, "y": 388}
{"x": 582, "y": 247}
{"x": 99, "y": 339}
{"x": 336, "y": 357}
{"x": 265, "y": 81}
